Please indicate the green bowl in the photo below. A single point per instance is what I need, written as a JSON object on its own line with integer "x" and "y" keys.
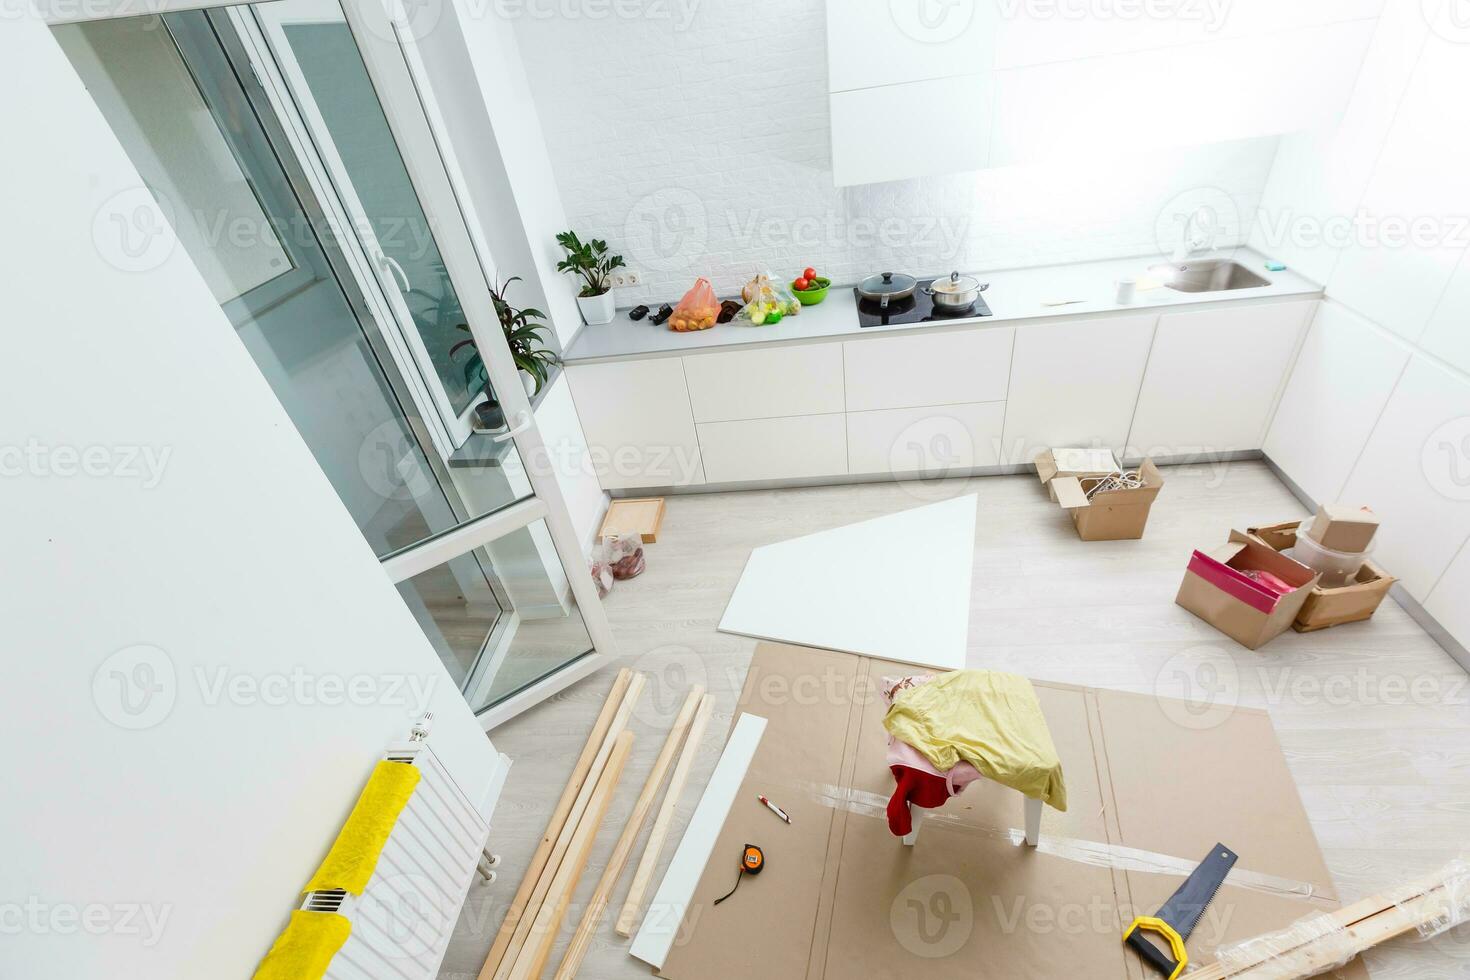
{"x": 811, "y": 297}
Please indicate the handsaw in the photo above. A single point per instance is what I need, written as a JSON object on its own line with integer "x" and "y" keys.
{"x": 1178, "y": 916}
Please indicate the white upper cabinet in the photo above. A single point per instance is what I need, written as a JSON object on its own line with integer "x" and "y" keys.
{"x": 1409, "y": 232}
{"x": 1075, "y": 383}
{"x": 995, "y": 82}
{"x": 1213, "y": 377}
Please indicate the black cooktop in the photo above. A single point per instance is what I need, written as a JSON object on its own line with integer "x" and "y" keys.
{"x": 918, "y": 308}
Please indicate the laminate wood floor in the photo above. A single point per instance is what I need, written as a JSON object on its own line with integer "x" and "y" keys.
{"x": 1374, "y": 717}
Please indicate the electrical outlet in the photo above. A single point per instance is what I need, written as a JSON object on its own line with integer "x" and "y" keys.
{"x": 620, "y": 279}
{"x": 632, "y": 278}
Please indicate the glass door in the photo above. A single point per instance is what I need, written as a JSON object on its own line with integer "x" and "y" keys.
{"x": 302, "y": 264}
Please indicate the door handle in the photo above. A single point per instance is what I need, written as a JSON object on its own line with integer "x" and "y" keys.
{"x": 393, "y": 267}
{"x": 523, "y": 422}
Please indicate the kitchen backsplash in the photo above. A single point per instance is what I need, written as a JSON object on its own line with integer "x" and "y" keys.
{"x": 693, "y": 136}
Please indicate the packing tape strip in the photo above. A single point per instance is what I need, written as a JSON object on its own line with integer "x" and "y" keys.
{"x": 1094, "y": 853}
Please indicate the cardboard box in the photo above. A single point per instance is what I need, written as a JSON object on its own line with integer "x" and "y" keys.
{"x": 1108, "y": 515}
{"x": 1251, "y": 618}
{"x": 1343, "y": 527}
{"x": 1330, "y": 607}
{"x": 1079, "y": 463}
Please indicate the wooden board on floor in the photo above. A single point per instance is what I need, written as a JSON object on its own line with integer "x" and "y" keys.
{"x": 643, "y": 516}
{"x": 840, "y": 896}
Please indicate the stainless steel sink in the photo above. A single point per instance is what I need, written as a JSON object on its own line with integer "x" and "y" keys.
{"x": 1207, "y": 276}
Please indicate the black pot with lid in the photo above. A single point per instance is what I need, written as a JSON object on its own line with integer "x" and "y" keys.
{"x": 887, "y": 287}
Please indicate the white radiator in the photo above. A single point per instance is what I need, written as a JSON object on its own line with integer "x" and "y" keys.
{"x": 402, "y": 922}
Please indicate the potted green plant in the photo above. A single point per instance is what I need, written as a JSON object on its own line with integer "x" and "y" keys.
{"x": 590, "y": 261}
{"x": 523, "y": 334}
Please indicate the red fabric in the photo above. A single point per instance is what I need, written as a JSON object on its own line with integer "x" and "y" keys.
{"x": 917, "y": 788}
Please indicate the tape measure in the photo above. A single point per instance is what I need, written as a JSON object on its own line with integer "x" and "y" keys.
{"x": 752, "y": 862}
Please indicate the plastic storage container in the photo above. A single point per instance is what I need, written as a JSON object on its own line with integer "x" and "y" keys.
{"x": 1338, "y": 568}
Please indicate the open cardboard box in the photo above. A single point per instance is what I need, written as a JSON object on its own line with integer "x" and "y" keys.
{"x": 1108, "y": 515}
{"x": 1245, "y": 615}
{"x": 1079, "y": 463}
{"x": 1330, "y": 607}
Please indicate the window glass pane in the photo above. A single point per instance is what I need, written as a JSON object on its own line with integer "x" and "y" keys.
{"x": 327, "y": 57}
{"x": 229, "y": 181}
{"x": 502, "y": 617}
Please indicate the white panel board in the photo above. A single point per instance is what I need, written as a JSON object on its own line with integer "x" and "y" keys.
{"x": 896, "y": 587}
{"x": 661, "y": 925}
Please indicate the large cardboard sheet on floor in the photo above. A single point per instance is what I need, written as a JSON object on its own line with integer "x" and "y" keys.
{"x": 841, "y": 897}
{"x": 839, "y": 589}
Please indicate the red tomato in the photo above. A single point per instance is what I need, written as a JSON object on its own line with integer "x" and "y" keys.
{"x": 809, "y": 273}
{"x": 803, "y": 284}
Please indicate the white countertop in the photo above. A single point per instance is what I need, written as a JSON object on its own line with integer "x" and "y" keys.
{"x": 1015, "y": 294}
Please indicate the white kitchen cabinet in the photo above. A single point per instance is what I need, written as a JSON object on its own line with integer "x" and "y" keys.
{"x": 953, "y": 114}
{"x": 763, "y": 384}
{"x": 1075, "y": 383}
{"x": 1447, "y": 602}
{"x": 915, "y": 370}
{"x": 1213, "y": 377}
{"x": 929, "y": 442}
{"x": 1401, "y": 259}
{"x": 1415, "y": 474}
{"x": 1343, "y": 377}
{"x": 639, "y": 427}
{"x": 774, "y": 449}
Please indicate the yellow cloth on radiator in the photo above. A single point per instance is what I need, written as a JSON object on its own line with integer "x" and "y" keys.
{"x": 306, "y": 947}
{"x": 990, "y": 719}
{"x": 354, "y": 855}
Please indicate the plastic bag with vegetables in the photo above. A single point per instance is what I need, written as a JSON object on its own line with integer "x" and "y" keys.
{"x": 698, "y": 310}
{"x": 766, "y": 302}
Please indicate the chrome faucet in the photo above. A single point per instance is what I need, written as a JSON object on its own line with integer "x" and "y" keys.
{"x": 1200, "y": 230}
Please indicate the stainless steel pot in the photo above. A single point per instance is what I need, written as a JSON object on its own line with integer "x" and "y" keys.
{"x": 887, "y": 287}
{"x": 955, "y": 293}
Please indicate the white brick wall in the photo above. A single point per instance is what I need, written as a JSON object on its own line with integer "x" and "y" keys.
{"x": 693, "y": 135}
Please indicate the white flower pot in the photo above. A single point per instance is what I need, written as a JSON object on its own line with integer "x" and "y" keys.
{"x": 597, "y": 309}
{"x": 529, "y": 383}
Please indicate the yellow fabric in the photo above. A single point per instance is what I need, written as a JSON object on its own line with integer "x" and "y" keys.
{"x": 306, "y": 947}
{"x": 354, "y": 855}
{"x": 991, "y": 720}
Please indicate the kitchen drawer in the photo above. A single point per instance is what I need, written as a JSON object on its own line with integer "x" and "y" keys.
{"x": 1075, "y": 383}
{"x": 635, "y": 414}
{"x": 927, "y": 441}
{"x": 957, "y": 367}
{"x": 774, "y": 449}
{"x": 1213, "y": 378}
{"x": 765, "y": 384}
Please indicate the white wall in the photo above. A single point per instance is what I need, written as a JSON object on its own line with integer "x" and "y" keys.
{"x": 237, "y": 561}
{"x": 1377, "y": 410}
{"x": 695, "y": 138}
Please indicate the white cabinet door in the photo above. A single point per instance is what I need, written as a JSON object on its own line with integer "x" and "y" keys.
{"x": 953, "y": 114}
{"x": 640, "y": 430}
{"x": 1447, "y": 602}
{"x": 1075, "y": 383}
{"x": 1213, "y": 377}
{"x": 765, "y": 384}
{"x": 914, "y": 370}
{"x": 1415, "y": 474}
{"x": 774, "y": 449}
{"x": 928, "y": 442}
{"x": 1343, "y": 377}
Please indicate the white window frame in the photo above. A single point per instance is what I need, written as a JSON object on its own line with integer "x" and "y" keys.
{"x": 395, "y": 66}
